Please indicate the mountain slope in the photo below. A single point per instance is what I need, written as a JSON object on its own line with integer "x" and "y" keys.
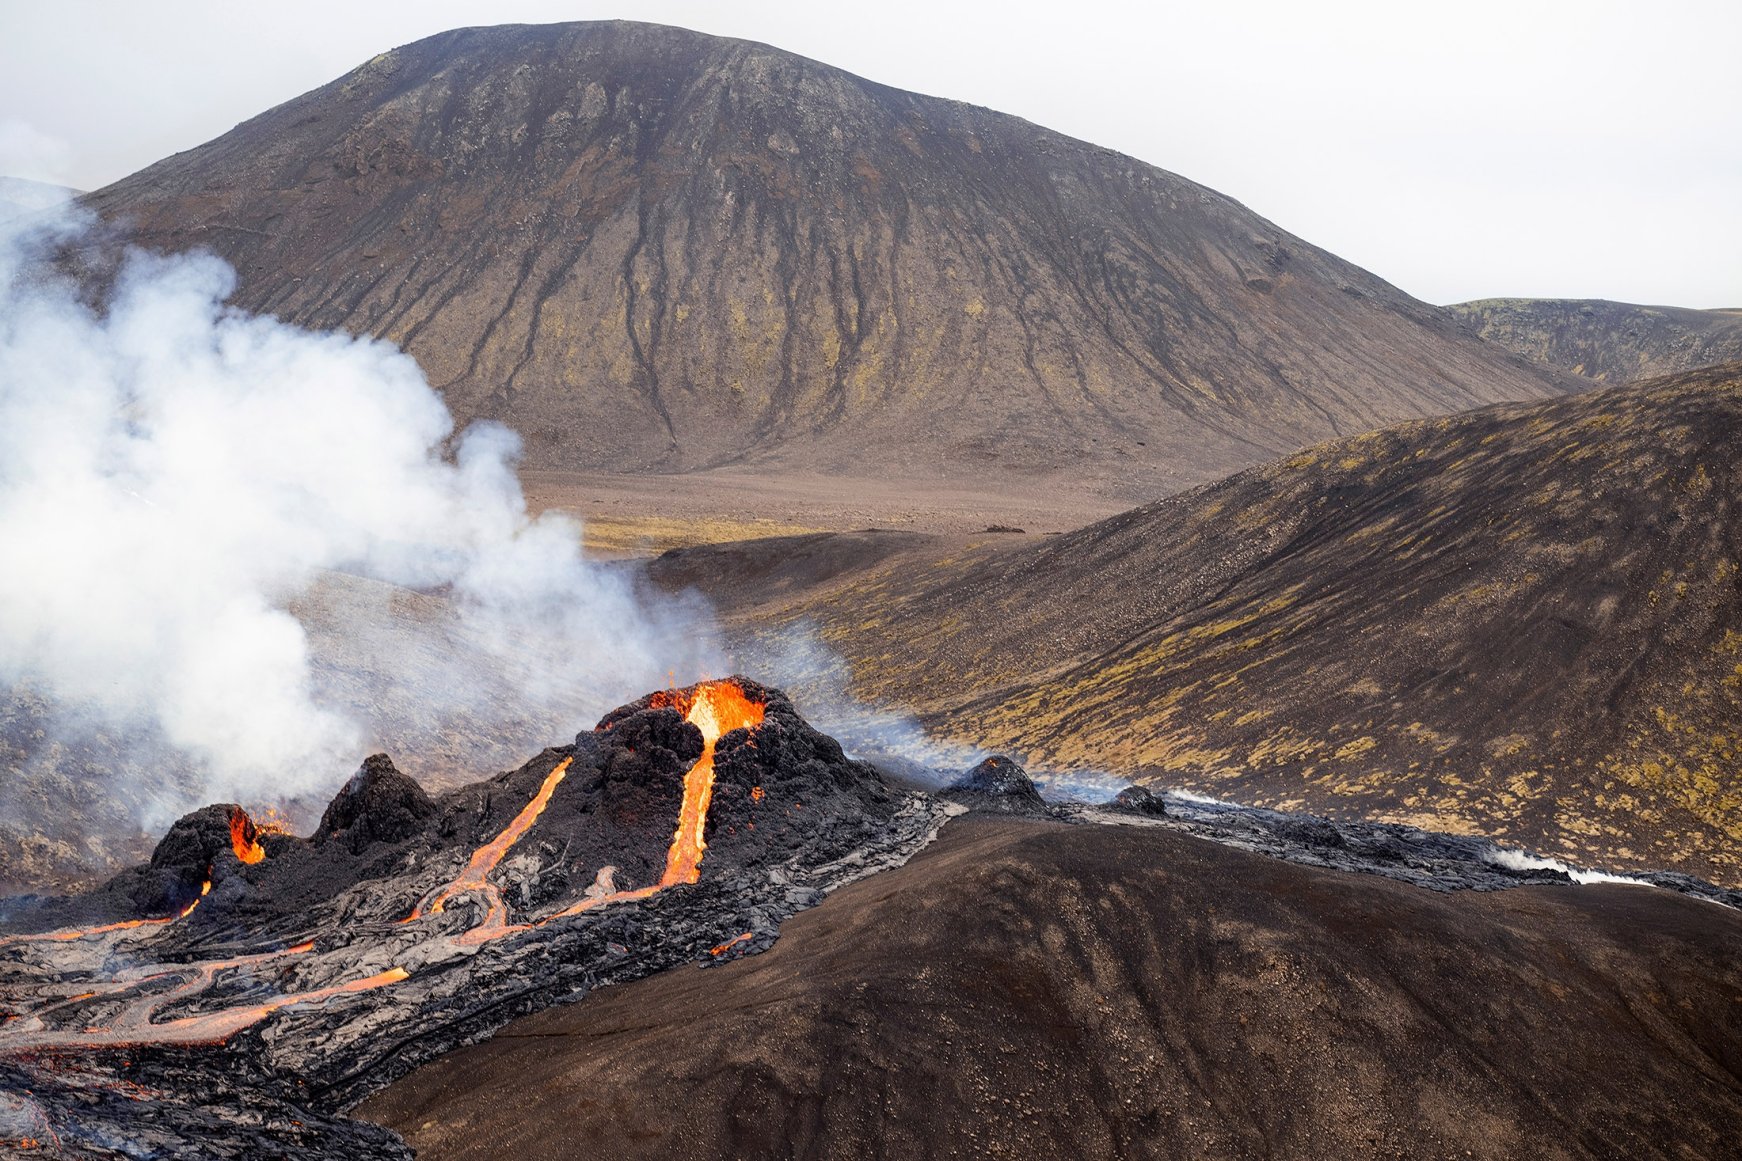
{"x": 649, "y": 249}
{"x": 1614, "y": 342}
{"x": 1522, "y": 621}
{"x": 1027, "y": 989}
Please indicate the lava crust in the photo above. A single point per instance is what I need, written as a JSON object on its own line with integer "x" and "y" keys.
{"x": 234, "y": 996}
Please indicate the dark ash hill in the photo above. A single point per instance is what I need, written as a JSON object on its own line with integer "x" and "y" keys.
{"x": 1614, "y": 342}
{"x": 1025, "y": 989}
{"x": 1523, "y": 621}
{"x": 648, "y": 249}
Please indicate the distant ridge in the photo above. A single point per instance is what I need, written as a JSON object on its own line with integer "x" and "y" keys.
{"x": 1613, "y": 342}
{"x": 653, "y": 250}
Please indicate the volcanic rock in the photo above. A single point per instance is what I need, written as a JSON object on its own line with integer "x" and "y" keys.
{"x": 1129, "y": 992}
{"x": 1140, "y": 800}
{"x": 647, "y": 249}
{"x": 318, "y": 969}
{"x": 997, "y": 785}
{"x": 378, "y": 804}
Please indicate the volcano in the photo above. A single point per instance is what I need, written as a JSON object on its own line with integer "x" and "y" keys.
{"x": 647, "y": 249}
{"x": 285, "y": 977}
{"x": 241, "y": 992}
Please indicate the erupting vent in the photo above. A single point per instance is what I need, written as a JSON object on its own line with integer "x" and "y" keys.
{"x": 245, "y": 838}
{"x": 716, "y": 708}
{"x": 320, "y": 958}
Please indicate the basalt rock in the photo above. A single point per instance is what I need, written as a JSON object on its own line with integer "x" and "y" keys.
{"x": 1140, "y": 800}
{"x": 378, "y": 804}
{"x": 318, "y": 969}
{"x": 998, "y": 785}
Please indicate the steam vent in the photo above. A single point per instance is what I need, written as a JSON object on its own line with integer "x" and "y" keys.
{"x": 250, "y": 968}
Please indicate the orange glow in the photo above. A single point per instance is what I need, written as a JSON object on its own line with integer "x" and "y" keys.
{"x": 730, "y": 944}
{"x": 244, "y": 837}
{"x": 476, "y": 875}
{"x": 270, "y": 821}
{"x": 717, "y": 708}
{"x": 68, "y": 935}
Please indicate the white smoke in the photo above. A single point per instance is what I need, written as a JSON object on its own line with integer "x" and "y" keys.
{"x": 820, "y": 683}
{"x": 177, "y": 476}
{"x": 1514, "y": 860}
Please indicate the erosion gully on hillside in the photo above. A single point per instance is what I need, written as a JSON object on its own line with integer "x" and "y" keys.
{"x": 237, "y": 995}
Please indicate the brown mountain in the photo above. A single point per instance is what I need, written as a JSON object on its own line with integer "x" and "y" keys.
{"x": 1028, "y": 989}
{"x": 1522, "y": 621}
{"x": 1615, "y": 342}
{"x": 649, "y": 249}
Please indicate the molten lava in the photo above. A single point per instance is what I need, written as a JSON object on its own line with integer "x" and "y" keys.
{"x": 476, "y": 876}
{"x": 245, "y": 837}
{"x": 731, "y": 943}
{"x": 717, "y": 708}
{"x": 138, "y": 995}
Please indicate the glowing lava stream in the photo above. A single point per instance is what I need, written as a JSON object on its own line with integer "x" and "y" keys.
{"x": 244, "y": 842}
{"x": 476, "y": 876}
{"x": 716, "y": 709}
{"x": 719, "y": 707}
{"x": 67, "y": 935}
{"x": 135, "y": 1027}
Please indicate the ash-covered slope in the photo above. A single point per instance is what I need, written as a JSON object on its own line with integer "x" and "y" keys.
{"x": 1615, "y": 342}
{"x": 1024, "y": 989}
{"x": 233, "y": 996}
{"x": 1522, "y": 621}
{"x": 646, "y": 248}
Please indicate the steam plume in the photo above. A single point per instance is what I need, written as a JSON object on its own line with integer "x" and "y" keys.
{"x": 180, "y": 482}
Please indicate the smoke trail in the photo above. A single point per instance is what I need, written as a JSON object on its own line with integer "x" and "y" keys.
{"x": 243, "y": 541}
{"x": 1514, "y": 860}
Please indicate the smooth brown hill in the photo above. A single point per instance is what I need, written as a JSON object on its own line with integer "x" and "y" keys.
{"x": 1615, "y": 342}
{"x": 1522, "y": 621}
{"x": 1026, "y": 989}
{"x": 650, "y": 249}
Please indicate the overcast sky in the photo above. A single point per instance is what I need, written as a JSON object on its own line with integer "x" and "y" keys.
{"x": 1488, "y": 147}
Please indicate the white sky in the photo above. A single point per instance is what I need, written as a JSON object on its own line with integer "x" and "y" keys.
{"x": 1580, "y": 149}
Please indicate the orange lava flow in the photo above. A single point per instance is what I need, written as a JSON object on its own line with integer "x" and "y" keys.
{"x": 476, "y": 875}
{"x": 716, "y": 709}
{"x": 68, "y": 935}
{"x": 719, "y": 708}
{"x": 244, "y": 838}
{"x": 730, "y": 944}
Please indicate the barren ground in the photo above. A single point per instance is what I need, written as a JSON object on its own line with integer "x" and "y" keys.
{"x": 628, "y": 515}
